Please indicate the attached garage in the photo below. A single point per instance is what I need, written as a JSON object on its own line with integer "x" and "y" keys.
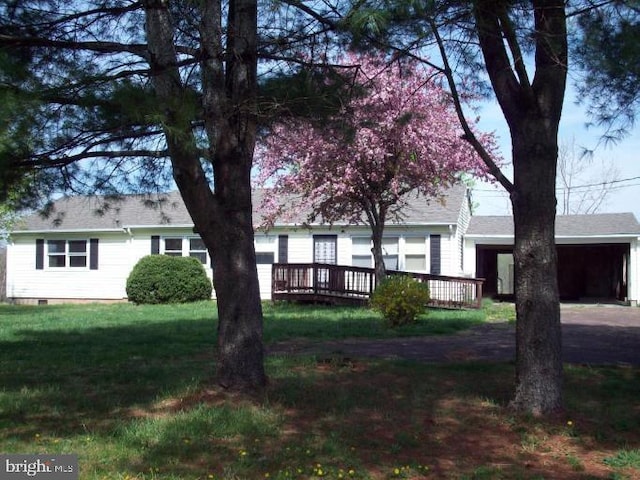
{"x": 597, "y": 256}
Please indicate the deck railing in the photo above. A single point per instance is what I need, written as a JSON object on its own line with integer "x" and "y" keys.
{"x": 317, "y": 281}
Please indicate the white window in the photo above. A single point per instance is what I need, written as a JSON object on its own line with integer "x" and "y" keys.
{"x": 185, "y": 247}
{"x": 361, "y": 252}
{"x": 390, "y": 253}
{"x": 67, "y": 253}
{"x": 361, "y": 255}
{"x": 173, "y": 247}
{"x": 415, "y": 259}
{"x": 198, "y": 250}
{"x": 265, "y": 249}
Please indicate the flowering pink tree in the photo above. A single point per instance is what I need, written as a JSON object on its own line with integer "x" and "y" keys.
{"x": 401, "y": 136}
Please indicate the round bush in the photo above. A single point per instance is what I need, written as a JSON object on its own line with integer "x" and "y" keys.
{"x": 166, "y": 279}
{"x": 400, "y": 299}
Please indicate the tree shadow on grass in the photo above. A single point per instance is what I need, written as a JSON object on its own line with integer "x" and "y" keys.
{"x": 55, "y": 380}
{"x": 337, "y": 414}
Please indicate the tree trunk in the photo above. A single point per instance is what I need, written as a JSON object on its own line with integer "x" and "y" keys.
{"x": 532, "y": 108}
{"x": 240, "y": 354}
{"x": 538, "y": 335}
{"x": 227, "y": 230}
{"x": 230, "y": 114}
{"x": 379, "y": 268}
{"x": 224, "y": 218}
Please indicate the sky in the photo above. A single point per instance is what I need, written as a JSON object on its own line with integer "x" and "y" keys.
{"x": 624, "y": 156}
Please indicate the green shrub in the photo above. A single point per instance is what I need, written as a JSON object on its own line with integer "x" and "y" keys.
{"x": 400, "y": 299}
{"x": 166, "y": 279}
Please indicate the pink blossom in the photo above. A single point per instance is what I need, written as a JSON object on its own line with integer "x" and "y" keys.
{"x": 402, "y": 136}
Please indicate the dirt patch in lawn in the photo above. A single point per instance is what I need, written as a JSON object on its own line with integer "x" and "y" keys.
{"x": 347, "y": 418}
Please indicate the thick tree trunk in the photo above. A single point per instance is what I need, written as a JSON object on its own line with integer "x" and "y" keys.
{"x": 224, "y": 218}
{"x": 538, "y": 335}
{"x": 532, "y": 108}
{"x": 240, "y": 348}
{"x": 240, "y": 352}
{"x": 227, "y": 230}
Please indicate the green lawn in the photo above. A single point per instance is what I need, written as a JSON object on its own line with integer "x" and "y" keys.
{"x": 129, "y": 389}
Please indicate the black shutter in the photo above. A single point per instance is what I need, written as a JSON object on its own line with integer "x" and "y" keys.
{"x": 435, "y": 254}
{"x": 93, "y": 254}
{"x": 39, "y": 254}
{"x": 283, "y": 248}
{"x": 155, "y": 244}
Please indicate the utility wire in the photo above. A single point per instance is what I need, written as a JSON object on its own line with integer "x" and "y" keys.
{"x": 576, "y": 187}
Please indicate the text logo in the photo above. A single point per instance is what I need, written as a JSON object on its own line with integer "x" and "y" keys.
{"x": 40, "y": 467}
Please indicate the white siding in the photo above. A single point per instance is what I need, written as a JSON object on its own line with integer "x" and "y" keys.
{"x": 107, "y": 282}
{"x": 119, "y": 252}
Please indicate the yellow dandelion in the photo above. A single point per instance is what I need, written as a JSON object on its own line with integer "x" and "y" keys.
{"x": 396, "y": 471}
{"x": 570, "y": 423}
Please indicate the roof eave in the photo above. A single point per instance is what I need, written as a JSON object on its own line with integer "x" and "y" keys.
{"x": 164, "y": 225}
{"x": 68, "y": 230}
{"x": 559, "y": 237}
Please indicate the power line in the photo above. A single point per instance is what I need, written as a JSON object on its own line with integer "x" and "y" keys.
{"x": 576, "y": 187}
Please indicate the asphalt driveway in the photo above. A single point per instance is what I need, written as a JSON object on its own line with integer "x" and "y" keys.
{"x": 597, "y": 335}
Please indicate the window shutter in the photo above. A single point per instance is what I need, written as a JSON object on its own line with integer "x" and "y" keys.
{"x": 93, "y": 254}
{"x": 435, "y": 251}
{"x": 283, "y": 248}
{"x": 39, "y": 254}
{"x": 155, "y": 244}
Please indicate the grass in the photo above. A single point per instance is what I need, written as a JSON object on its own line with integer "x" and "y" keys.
{"x": 129, "y": 389}
{"x": 284, "y": 321}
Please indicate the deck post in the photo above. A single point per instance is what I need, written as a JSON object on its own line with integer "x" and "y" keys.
{"x": 479, "y": 282}
{"x": 314, "y": 272}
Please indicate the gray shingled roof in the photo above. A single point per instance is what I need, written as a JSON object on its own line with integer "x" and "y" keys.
{"x": 101, "y": 213}
{"x": 602, "y": 224}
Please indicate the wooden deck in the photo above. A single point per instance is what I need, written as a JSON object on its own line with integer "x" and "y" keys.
{"x": 340, "y": 284}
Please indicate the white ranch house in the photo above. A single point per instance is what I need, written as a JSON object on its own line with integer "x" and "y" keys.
{"x": 85, "y": 248}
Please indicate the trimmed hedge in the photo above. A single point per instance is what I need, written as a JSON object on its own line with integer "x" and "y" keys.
{"x": 168, "y": 279}
{"x": 400, "y": 299}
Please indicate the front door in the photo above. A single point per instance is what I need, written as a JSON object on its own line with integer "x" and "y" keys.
{"x": 324, "y": 251}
